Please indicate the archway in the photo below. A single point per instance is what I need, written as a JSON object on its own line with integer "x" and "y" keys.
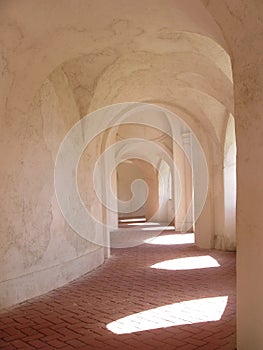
{"x": 230, "y": 186}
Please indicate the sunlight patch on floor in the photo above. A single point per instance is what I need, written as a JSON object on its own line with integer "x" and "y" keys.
{"x": 143, "y": 224}
{"x": 177, "y": 238}
{"x": 186, "y": 312}
{"x": 189, "y": 263}
{"x": 159, "y": 228}
{"x": 133, "y": 220}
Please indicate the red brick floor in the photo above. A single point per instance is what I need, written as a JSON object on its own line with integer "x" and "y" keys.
{"x": 76, "y": 315}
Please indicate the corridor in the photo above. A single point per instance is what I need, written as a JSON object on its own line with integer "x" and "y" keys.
{"x": 165, "y": 294}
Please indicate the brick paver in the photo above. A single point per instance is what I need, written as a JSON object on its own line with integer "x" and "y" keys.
{"x": 143, "y": 307}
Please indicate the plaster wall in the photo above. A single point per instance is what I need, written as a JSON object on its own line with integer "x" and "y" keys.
{"x": 151, "y": 178}
{"x": 127, "y": 173}
{"x": 39, "y": 251}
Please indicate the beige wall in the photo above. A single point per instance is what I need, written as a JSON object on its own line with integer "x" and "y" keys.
{"x": 127, "y": 173}
{"x": 151, "y": 178}
{"x": 39, "y": 251}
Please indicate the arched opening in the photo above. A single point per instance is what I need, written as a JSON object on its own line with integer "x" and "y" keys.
{"x": 165, "y": 189}
{"x": 172, "y": 164}
{"x": 230, "y": 186}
